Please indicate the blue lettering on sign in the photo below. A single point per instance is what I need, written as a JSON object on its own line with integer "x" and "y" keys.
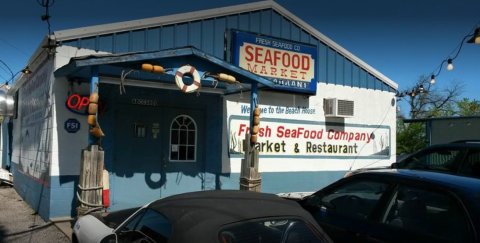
{"x": 72, "y": 125}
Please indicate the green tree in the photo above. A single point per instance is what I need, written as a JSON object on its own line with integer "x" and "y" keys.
{"x": 465, "y": 107}
{"x": 410, "y": 136}
{"x": 425, "y": 101}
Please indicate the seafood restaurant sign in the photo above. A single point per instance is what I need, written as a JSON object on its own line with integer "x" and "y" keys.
{"x": 282, "y": 134}
{"x": 291, "y": 66}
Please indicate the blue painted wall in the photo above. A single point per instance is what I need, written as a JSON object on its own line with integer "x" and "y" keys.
{"x": 63, "y": 200}
{"x": 207, "y": 35}
{"x": 277, "y": 182}
{"x": 33, "y": 192}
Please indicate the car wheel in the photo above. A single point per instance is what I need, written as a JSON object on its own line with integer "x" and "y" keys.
{"x": 74, "y": 238}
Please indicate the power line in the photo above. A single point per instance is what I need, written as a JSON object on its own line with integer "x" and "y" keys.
{"x": 6, "y": 67}
{"x": 14, "y": 47}
{"x": 3, "y": 77}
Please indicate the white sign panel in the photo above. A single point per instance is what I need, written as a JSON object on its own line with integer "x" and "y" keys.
{"x": 287, "y": 136}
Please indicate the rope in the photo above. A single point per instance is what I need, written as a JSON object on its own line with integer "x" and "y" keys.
{"x": 84, "y": 211}
{"x": 88, "y": 204}
{"x": 90, "y": 188}
{"x": 255, "y": 182}
{"x": 122, "y": 80}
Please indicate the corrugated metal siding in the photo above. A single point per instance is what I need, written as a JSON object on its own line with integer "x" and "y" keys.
{"x": 207, "y": 35}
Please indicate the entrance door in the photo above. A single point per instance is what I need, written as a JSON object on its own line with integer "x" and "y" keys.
{"x": 159, "y": 152}
{"x": 137, "y": 166}
{"x": 184, "y": 151}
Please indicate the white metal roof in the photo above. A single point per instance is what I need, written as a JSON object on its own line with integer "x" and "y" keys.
{"x": 211, "y": 13}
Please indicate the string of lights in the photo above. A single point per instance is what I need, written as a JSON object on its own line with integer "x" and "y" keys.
{"x": 419, "y": 88}
{"x": 474, "y": 38}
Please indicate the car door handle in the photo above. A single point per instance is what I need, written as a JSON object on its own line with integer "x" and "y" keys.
{"x": 357, "y": 234}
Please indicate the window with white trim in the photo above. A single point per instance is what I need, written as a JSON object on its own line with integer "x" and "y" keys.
{"x": 183, "y": 139}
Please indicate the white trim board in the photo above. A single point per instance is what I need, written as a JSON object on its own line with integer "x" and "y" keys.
{"x": 216, "y": 12}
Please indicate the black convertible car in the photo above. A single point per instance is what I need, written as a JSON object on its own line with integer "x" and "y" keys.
{"x": 209, "y": 216}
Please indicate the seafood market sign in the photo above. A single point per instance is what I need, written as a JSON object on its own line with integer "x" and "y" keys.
{"x": 291, "y": 66}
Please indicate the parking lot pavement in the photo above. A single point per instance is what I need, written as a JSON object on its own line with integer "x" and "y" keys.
{"x": 19, "y": 224}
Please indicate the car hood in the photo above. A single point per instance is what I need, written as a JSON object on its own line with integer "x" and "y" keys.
{"x": 90, "y": 229}
{"x": 294, "y": 195}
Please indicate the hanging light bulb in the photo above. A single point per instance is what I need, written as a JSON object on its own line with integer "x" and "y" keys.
{"x": 420, "y": 89}
{"x": 450, "y": 65}
{"x": 432, "y": 81}
{"x": 413, "y": 93}
{"x": 476, "y": 37}
{"x": 26, "y": 70}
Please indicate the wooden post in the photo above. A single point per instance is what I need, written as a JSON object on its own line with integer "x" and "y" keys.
{"x": 250, "y": 179}
{"x": 91, "y": 181}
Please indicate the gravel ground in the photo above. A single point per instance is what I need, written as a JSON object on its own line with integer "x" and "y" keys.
{"x": 18, "y": 224}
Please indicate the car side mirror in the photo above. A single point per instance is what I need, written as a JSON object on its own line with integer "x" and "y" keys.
{"x": 111, "y": 238}
{"x": 395, "y": 165}
{"x": 314, "y": 201}
{"x": 318, "y": 202}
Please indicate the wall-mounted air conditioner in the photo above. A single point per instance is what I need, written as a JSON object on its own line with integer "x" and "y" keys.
{"x": 338, "y": 108}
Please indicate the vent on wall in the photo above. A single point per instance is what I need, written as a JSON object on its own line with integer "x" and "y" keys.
{"x": 338, "y": 108}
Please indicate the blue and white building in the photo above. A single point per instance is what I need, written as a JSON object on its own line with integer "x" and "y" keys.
{"x": 324, "y": 111}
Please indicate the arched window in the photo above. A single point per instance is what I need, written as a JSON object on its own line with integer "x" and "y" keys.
{"x": 183, "y": 139}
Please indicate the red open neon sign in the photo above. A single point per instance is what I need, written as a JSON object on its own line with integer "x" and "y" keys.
{"x": 77, "y": 102}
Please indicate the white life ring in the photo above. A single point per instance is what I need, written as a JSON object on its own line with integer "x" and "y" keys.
{"x": 179, "y": 79}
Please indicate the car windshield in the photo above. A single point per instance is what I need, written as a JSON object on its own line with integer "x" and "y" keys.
{"x": 285, "y": 230}
{"x": 439, "y": 159}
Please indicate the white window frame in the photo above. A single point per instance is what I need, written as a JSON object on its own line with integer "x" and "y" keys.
{"x": 170, "y": 140}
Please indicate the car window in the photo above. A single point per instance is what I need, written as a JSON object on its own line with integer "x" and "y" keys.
{"x": 132, "y": 222}
{"x": 471, "y": 164}
{"x": 426, "y": 212}
{"x": 440, "y": 159}
{"x": 271, "y": 231}
{"x": 151, "y": 226}
{"x": 355, "y": 198}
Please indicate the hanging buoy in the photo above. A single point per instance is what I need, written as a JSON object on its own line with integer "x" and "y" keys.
{"x": 256, "y": 111}
{"x": 253, "y": 139}
{"x": 94, "y": 98}
{"x": 92, "y": 109}
{"x": 256, "y": 120}
{"x": 255, "y": 130}
{"x": 106, "y": 189}
{"x": 188, "y": 70}
{"x": 152, "y": 68}
{"x": 92, "y": 120}
{"x": 147, "y": 67}
{"x": 226, "y": 78}
{"x": 158, "y": 69}
{"x": 97, "y": 132}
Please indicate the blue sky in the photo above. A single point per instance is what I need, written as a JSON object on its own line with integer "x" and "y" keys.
{"x": 403, "y": 39}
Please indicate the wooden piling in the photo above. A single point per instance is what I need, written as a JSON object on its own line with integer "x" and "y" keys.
{"x": 250, "y": 178}
{"x": 91, "y": 181}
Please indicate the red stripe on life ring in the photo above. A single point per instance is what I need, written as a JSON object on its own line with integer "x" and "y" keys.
{"x": 184, "y": 88}
{"x": 192, "y": 70}
{"x": 196, "y": 83}
{"x": 180, "y": 74}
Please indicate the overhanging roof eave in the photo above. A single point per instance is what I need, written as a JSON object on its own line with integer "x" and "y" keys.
{"x": 77, "y": 64}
